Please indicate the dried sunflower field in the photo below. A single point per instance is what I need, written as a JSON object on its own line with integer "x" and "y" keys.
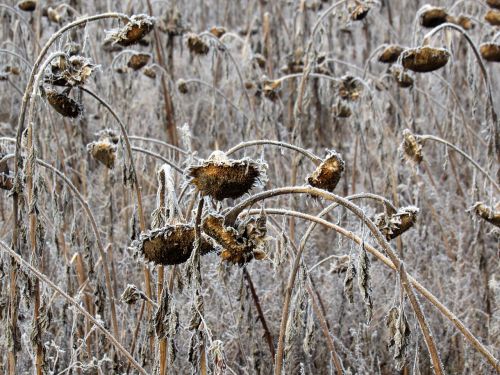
{"x": 249, "y": 187}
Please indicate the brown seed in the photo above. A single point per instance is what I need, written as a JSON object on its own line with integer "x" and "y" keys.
{"x": 487, "y": 213}
{"x": 27, "y": 5}
{"x": 396, "y": 224}
{"x": 328, "y": 173}
{"x": 218, "y": 31}
{"x": 138, "y": 60}
{"x": 431, "y": 16}
{"x": 493, "y": 3}
{"x": 493, "y": 17}
{"x": 490, "y": 51}
{"x": 63, "y": 104}
{"x": 134, "y": 30}
{"x": 220, "y": 177}
{"x": 391, "y": 54}
{"x": 424, "y": 59}
{"x": 359, "y": 12}
{"x": 411, "y": 147}
{"x": 464, "y": 22}
{"x": 169, "y": 245}
{"x": 197, "y": 45}
{"x": 403, "y": 79}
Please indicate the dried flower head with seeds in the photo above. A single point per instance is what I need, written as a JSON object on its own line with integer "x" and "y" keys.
{"x": 431, "y": 16}
{"x": 104, "y": 149}
{"x": 220, "y": 177}
{"x": 341, "y": 109}
{"x": 493, "y": 3}
{"x": 182, "y": 86}
{"x": 196, "y": 44}
{"x": 171, "y": 244}
{"x": 390, "y": 54}
{"x": 137, "y": 27}
{"x": 359, "y": 12}
{"x": 424, "y": 59}
{"x": 491, "y": 215}
{"x": 493, "y": 17}
{"x": 239, "y": 246}
{"x": 402, "y": 77}
{"x": 350, "y": 88}
{"x": 270, "y": 88}
{"x": 327, "y": 175}
{"x": 70, "y": 71}
{"x": 138, "y": 60}
{"x": 218, "y": 31}
{"x": 63, "y": 104}
{"x": 393, "y": 225}
{"x": 490, "y": 51}
{"x": 27, "y": 5}
{"x": 411, "y": 147}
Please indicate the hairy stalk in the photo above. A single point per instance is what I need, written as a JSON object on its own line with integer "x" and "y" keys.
{"x": 42, "y": 277}
{"x": 429, "y": 340}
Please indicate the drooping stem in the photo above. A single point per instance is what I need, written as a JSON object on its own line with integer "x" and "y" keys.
{"x": 425, "y": 137}
{"x": 387, "y": 262}
{"x": 315, "y": 159}
{"x": 429, "y": 340}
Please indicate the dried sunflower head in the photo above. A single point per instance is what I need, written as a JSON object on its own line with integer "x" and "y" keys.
{"x": 27, "y": 5}
{"x": 70, "y": 71}
{"x": 239, "y": 245}
{"x": 196, "y": 44}
{"x": 350, "y": 88}
{"x": 390, "y": 54}
{"x": 491, "y": 215}
{"x": 424, "y": 59}
{"x": 403, "y": 79}
{"x": 493, "y": 3}
{"x": 6, "y": 179}
{"x": 137, "y": 27}
{"x": 172, "y": 22}
{"x": 104, "y": 149}
{"x": 493, "y": 17}
{"x": 431, "y": 16}
{"x": 327, "y": 174}
{"x": 490, "y": 51}
{"x": 220, "y": 177}
{"x": 182, "y": 86}
{"x": 394, "y": 225}
{"x": 138, "y": 60}
{"x": 171, "y": 244}
{"x": 149, "y": 71}
{"x": 359, "y": 12}
{"x": 218, "y": 31}
{"x": 63, "y": 104}
{"x": 411, "y": 147}
{"x": 270, "y": 89}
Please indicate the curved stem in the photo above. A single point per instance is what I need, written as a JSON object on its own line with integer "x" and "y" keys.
{"x": 157, "y": 156}
{"x": 316, "y": 160}
{"x": 128, "y": 148}
{"x": 479, "y": 61}
{"x": 429, "y": 340}
{"x": 76, "y": 304}
{"x": 23, "y": 60}
{"x": 455, "y": 148}
{"x": 387, "y": 262}
{"x": 157, "y": 141}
